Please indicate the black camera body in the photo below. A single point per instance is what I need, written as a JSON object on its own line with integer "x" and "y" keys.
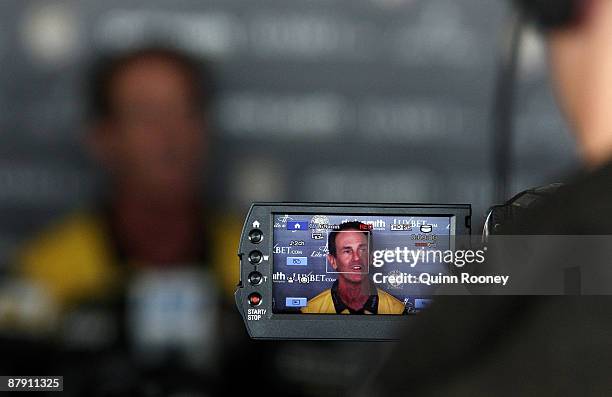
{"x": 291, "y": 284}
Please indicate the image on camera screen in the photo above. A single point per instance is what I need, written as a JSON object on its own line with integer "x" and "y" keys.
{"x": 356, "y": 264}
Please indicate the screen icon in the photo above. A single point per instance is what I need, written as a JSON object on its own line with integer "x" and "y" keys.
{"x": 295, "y": 302}
{"x": 421, "y": 303}
{"x": 317, "y": 236}
{"x": 297, "y": 261}
{"x": 426, "y": 228}
{"x": 297, "y": 225}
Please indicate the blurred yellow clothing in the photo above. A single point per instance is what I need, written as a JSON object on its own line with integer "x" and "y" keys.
{"x": 76, "y": 260}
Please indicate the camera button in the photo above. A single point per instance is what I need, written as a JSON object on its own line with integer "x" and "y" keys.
{"x": 256, "y": 236}
{"x": 255, "y": 278}
{"x": 255, "y": 257}
{"x": 254, "y": 299}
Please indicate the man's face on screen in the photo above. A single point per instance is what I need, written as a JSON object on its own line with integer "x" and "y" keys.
{"x": 351, "y": 259}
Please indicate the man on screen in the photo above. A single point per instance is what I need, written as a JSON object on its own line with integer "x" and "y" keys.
{"x": 352, "y": 292}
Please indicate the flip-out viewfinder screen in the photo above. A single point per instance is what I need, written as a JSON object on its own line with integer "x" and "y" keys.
{"x": 356, "y": 264}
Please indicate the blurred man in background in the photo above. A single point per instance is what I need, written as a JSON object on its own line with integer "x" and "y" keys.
{"x": 141, "y": 274}
{"x": 535, "y": 345}
{"x": 135, "y": 294}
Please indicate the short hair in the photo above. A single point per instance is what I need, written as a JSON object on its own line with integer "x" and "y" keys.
{"x": 354, "y": 225}
{"x": 552, "y": 14}
{"x": 108, "y": 67}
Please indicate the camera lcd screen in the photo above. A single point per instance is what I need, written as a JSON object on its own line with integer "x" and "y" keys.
{"x": 356, "y": 264}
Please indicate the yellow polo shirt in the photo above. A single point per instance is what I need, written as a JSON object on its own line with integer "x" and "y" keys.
{"x": 324, "y": 304}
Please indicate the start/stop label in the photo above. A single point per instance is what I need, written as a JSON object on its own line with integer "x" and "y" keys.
{"x": 255, "y": 314}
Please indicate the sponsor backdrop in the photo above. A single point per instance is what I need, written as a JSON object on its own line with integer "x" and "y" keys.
{"x": 327, "y": 100}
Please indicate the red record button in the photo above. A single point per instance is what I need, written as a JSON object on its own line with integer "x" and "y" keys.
{"x": 254, "y": 299}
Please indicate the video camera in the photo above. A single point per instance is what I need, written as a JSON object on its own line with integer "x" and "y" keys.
{"x": 315, "y": 270}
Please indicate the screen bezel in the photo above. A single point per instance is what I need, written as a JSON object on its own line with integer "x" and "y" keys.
{"x": 325, "y": 326}
{"x": 452, "y": 234}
